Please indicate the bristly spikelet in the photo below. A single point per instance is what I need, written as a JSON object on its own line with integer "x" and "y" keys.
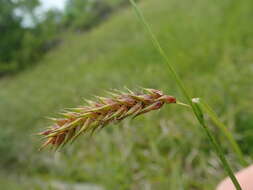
{"x": 97, "y": 114}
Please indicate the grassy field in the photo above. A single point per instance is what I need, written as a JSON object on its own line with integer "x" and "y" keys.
{"x": 209, "y": 42}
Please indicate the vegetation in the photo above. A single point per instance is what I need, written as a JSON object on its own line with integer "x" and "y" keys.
{"x": 26, "y": 35}
{"x": 210, "y": 44}
{"x": 22, "y": 46}
{"x": 83, "y": 15}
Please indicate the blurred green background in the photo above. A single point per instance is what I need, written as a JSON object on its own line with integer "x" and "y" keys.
{"x": 51, "y": 62}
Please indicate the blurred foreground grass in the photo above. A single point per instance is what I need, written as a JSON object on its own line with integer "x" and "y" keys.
{"x": 211, "y": 45}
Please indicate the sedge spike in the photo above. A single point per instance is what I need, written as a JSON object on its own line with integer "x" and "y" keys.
{"x": 98, "y": 114}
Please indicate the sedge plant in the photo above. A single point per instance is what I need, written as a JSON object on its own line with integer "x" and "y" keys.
{"x": 120, "y": 105}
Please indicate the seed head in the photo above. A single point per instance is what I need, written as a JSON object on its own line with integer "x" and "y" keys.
{"x": 97, "y": 114}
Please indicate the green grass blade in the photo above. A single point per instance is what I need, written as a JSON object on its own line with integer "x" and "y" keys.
{"x": 221, "y": 155}
{"x": 224, "y": 130}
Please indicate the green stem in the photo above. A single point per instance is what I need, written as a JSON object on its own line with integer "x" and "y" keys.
{"x": 222, "y": 127}
{"x": 222, "y": 157}
{"x": 164, "y": 56}
{"x": 224, "y": 130}
{"x": 196, "y": 109}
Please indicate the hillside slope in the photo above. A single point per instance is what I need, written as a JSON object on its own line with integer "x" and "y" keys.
{"x": 209, "y": 42}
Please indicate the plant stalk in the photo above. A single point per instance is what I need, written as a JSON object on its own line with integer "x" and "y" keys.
{"x": 196, "y": 109}
{"x": 222, "y": 157}
{"x": 224, "y": 130}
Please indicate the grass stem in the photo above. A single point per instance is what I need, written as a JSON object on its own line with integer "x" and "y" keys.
{"x": 196, "y": 108}
{"x": 224, "y": 130}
